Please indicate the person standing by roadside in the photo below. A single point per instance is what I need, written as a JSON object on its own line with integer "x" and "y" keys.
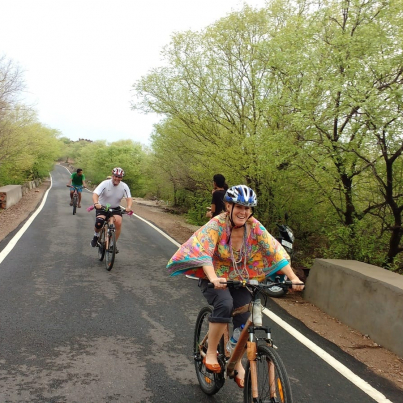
{"x": 217, "y": 201}
{"x": 77, "y": 180}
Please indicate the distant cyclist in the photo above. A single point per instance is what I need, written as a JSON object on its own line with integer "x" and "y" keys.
{"x": 77, "y": 180}
{"x": 111, "y": 192}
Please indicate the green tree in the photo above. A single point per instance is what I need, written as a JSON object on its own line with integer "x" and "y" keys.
{"x": 345, "y": 102}
{"x": 97, "y": 159}
{"x": 300, "y": 100}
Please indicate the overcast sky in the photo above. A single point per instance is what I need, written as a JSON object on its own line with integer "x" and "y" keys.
{"x": 81, "y": 57}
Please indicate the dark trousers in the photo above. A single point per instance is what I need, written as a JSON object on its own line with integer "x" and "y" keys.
{"x": 224, "y": 301}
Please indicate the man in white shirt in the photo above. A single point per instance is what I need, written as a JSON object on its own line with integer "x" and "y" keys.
{"x": 110, "y": 192}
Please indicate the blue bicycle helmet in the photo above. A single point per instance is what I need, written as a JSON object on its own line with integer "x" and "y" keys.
{"x": 241, "y": 194}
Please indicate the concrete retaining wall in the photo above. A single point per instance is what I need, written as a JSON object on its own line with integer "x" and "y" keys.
{"x": 9, "y": 195}
{"x": 27, "y": 186}
{"x": 364, "y": 297}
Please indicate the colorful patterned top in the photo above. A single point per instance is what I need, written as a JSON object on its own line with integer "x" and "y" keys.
{"x": 209, "y": 246}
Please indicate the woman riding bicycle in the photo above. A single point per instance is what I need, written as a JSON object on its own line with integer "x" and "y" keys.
{"x": 235, "y": 246}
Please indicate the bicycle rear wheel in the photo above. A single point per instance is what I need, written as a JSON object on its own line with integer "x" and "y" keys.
{"x": 110, "y": 252}
{"x": 209, "y": 383}
{"x": 74, "y": 204}
{"x": 101, "y": 245}
{"x": 273, "y": 384}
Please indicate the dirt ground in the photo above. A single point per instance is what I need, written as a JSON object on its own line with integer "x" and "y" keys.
{"x": 378, "y": 359}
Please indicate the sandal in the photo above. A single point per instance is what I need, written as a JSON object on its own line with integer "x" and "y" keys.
{"x": 239, "y": 381}
{"x": 215, "y": 368}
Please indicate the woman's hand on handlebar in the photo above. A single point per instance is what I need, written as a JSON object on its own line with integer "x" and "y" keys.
{"x": 219, "y": 283}
{"x": 297, "y": 284}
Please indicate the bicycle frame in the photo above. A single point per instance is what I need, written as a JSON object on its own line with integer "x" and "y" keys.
{"x": 239, "y": 349}
{"x": 76, "y": 198}
{"x": 107, "y": 226}
{"x": 108, "y": 222}
{"x": 247, "y": 338}
{"x": 248, "y": 343}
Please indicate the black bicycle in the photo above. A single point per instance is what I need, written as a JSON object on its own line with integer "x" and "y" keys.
{"x": 75, "y": 197}
{"x": 106, "y": 245}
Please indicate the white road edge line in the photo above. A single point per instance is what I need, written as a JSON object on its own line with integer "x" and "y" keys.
{"x": 342, "y": 369}
{"x": 20, "y": 233}
{"x": 158, "y": 230}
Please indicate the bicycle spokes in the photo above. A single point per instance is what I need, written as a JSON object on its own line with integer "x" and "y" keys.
{"x": 209, "y": 382}
{"x": 110, "y": 249}
{"x": 271, "y": 378}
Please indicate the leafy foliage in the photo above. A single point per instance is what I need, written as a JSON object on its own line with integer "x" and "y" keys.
{"x": 301, "y": 101}
{"x": 97, "y": 159}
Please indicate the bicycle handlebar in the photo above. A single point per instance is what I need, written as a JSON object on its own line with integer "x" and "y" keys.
{"x": 108, "y": 208}
{"x": 255, "y": 284}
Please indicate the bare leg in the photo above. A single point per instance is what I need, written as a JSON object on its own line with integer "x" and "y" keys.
{"x": 241, "y": 371}
{"x": 118, "y": 225}
{"x": 216, "y": 330}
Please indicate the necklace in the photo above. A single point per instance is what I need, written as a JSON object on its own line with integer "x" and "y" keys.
{"x": 239, "y": 270}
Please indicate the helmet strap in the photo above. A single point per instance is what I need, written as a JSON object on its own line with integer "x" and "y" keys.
{"x": 230, "y": 216}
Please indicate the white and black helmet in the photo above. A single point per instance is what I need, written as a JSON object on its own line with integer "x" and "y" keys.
{"x": 241, "y": 194}
{"x": 119, "y": 172}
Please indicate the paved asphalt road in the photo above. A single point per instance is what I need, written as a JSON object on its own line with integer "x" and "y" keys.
{"x": 72, "y": 332}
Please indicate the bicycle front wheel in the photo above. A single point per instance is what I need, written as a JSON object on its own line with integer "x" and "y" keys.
{"x": 273, "y": 384}
{"x": 110, "y": 251}
{"x": 101, "y": 245}
{"x": 209, "y": 383}
{"x": 74, "y": 204}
